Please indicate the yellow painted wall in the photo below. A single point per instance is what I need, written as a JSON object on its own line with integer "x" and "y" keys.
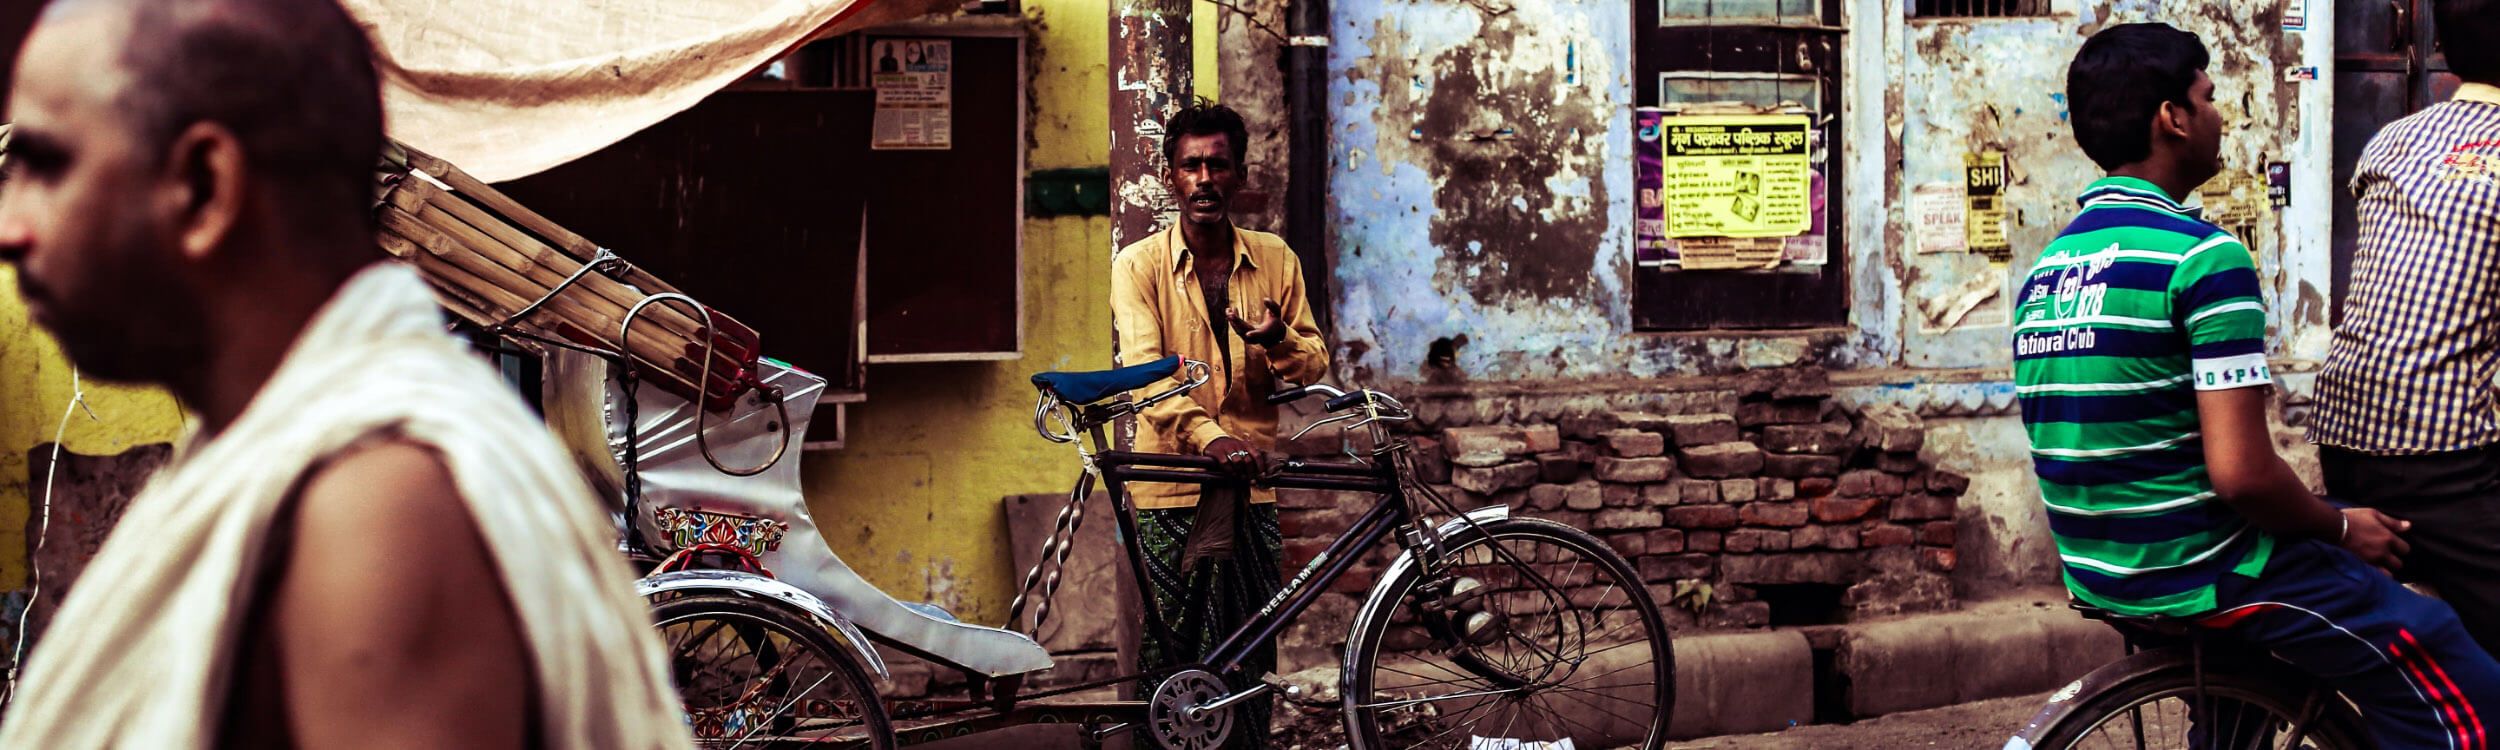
{"x": 913, "y": 502}
{"x": 34, "y": 391}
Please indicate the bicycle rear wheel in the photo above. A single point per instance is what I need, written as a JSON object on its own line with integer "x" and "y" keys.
{"x": 754, "y": 674}
{"x": 2163, "y": 711}
{"x": 1516, "y": 664}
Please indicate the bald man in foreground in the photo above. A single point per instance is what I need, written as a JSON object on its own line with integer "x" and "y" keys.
{"x": 367, "y": 541}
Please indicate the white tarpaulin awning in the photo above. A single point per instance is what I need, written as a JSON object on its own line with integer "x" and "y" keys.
{"x": 506, "y": 88}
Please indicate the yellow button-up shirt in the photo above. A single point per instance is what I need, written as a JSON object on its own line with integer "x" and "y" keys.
{"x": 1160, "y": 311}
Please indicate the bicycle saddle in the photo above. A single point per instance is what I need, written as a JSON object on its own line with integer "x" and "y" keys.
{"x": 1081, "y": 388}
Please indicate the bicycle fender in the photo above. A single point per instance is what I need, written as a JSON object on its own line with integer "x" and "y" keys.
{"x": 769, "y": 590}
{"x": 1378, "y": 599}
{"x": 2064, "y": 702}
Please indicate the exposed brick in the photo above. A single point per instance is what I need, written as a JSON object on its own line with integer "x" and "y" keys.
{"x": 1488, "y": 481}
{"x": 1301, "y": 551}
{"x": 1818, "y": 439}
{"x": 1887, "y": 485}
{"x": 1921, "y": 507}
{"x": 1326, "y": 523}
{"x": 1321, "y": 499}
{"x": 1784, "y": 411}
{"x": 1816, "y": 486}
{"x": 1586, "y": 495}
{"x": 1860, "y": 483}
{"x": 1614, "y": 495}
{"x": 1541, "y": 438}
{"x": 1432, "y": 466}
{"x": 1841, "y": 537}
{"x": 1587, "y": 426}
{"x": 1630, "y": 545}
{"x": 1786, "y": 383}
{"x": 1663, "y": 494}
{"x": 1582, "y": 451}
{"x": 1737, "y": 615}
{"x": 1482, "y": 446}
{"x": 1692, "y": 430}
{"x": 1937, "y": 559}
{"x": 1558, "y": 467}
{"x": 1809, "y": 537}
{"x": 1702, "y": 516}
{"x": 1946, "y": 483}
{"x": 1665, "y": 541}
{"x": 1844, "y": 509}
{"x": 1723, "y": 460}
{"x": 1547, "y": 496}
{"x": 1888, "y": 535}
{"x": 1702, "y": 541}
{"x": 1629, "y": 519}
{"x": 1890, "y": 428}
{"x": 1776, "y": 489}
{"x": 1897, "y": 463}
{"x": 1635, "y": 470}
{"x": 1738, "y": 491}
{"x": 1802, "y": 466}
{"x": 1936, "y": 533}
{"x": 1752, "y": 540}
{"x": 1782, "y": 515}
{"x": 1696, "y": 491}
{"x": 1668, "y": 568}
{"x": 1635, "y": 444}
{"x": 1792, "y": 567}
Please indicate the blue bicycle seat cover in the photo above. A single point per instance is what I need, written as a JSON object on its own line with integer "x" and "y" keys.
{"x": 1083, "y": 388}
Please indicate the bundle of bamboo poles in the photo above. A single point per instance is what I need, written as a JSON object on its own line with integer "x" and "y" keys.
{"x": 489, "y": 259}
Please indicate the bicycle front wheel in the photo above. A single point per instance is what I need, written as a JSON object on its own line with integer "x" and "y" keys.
{"x": 1533, "y": 633}
{"x": 2164, "y": 711}
{"x": 754, "y": 674}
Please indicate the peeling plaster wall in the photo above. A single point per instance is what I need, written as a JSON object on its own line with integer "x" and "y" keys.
{"x": 1976, "y": 85}
{"x": 1482, "y": 157}
{"x": 1481, "y": 189}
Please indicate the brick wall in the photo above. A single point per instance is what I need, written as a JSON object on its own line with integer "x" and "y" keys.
{"x": 1786, "y": 509}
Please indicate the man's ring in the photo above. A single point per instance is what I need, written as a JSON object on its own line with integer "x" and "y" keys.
{"x": 1238, "y": 454}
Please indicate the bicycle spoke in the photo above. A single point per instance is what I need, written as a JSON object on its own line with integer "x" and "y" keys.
{"x": 1451, "y": 697}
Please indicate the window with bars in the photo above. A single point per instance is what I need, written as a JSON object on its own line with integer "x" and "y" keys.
{"x": 1977, "y": 8}
{"x": 1769, "y": 57}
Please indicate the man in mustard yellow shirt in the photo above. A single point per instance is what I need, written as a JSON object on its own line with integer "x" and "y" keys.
{"x": 1232, "y": 298}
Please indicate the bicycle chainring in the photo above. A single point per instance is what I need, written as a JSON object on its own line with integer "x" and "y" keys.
{"x": 1167, "y": 715}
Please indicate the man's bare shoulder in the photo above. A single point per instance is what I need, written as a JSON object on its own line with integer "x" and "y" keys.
{"x": 391, "y": 615}
{"x": 388, "y": 511}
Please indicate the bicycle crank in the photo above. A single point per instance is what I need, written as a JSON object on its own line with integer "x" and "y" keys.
{"x": 1182, "y": 715}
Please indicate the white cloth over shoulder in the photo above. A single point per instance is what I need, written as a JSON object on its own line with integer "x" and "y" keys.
{"x": 143, "y": 651}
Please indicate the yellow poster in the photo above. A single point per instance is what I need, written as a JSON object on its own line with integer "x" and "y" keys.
{"x": 1737, "y": 176}
{"x": 1983, "y": 182}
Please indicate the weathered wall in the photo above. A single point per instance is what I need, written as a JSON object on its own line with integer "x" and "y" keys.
{"x": 1977, "y": 85}
{"x": 1481, "y": 187}
{"x": 34, "y": 394}
{"x": 913, "y": 502}
{"x": 1482, "y": 183}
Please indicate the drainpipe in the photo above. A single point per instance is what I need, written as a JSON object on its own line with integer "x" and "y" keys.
{"x": 1306, "y": 186}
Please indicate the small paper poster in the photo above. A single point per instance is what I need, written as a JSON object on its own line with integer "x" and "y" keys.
{"x": 2295, "y": 15}
{"x": 1983, "y": 222}
{"x": 1936, "y": 211}
{"x": 915, "y": 82}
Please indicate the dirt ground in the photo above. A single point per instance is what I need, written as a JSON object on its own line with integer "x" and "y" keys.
{"x": 1984, "y": 725}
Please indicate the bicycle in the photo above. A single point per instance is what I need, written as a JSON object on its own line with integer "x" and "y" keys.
{"x": 1485, "y": 629}
{"x": 2185, "y": 684}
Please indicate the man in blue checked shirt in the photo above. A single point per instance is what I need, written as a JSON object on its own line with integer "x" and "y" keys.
{"x": 2405, "y": 418}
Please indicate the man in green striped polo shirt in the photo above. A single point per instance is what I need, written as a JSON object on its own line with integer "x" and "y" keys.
{"x": 2139, "y": 359}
